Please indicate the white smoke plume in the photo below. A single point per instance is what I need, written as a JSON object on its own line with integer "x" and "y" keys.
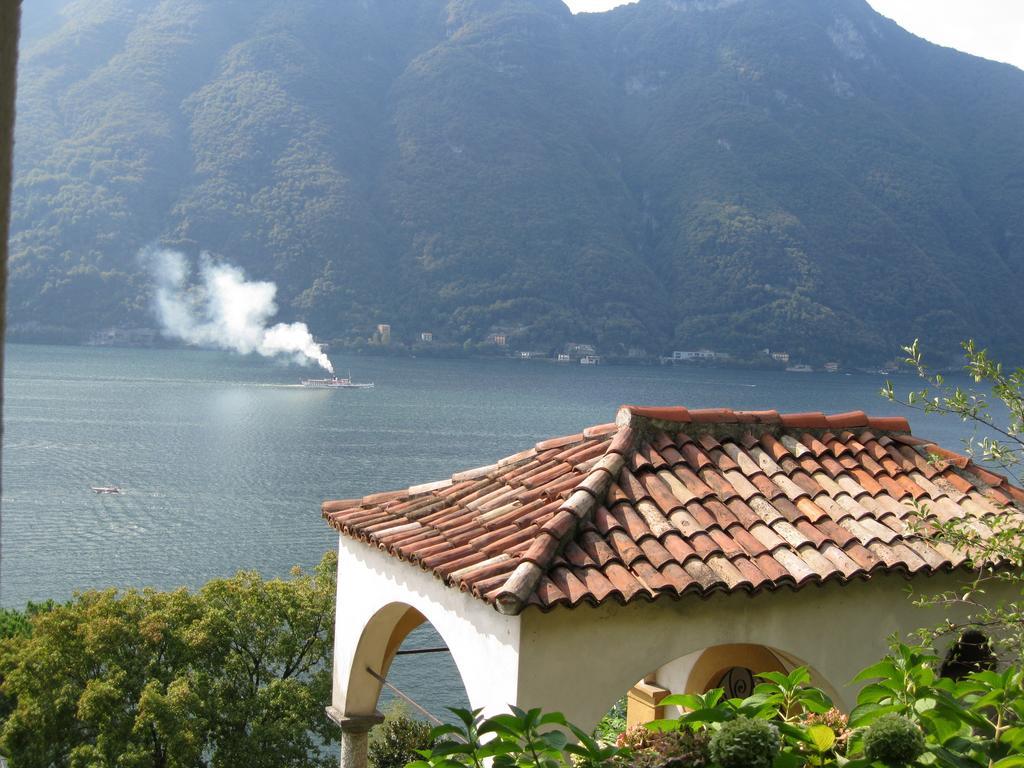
{"x": 225, "y": 310}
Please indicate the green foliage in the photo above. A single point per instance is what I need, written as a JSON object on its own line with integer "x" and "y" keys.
{"x": 998, "y": 438}
{"x": 674, "y": 749}
{"x": 13, "y": 622}
{"x": 612, "y": 724}
{"x": 746, "y": 743}
{"x": 521, "y": 738}
{"x": 977, "y": 721}
{"x": 894, "y": 740}
{"x": 741, "y": 177}
{"x": 234, "y": 674}
{"x": 17, "y": 625}
{"x": 906, "y": 715}
{"x": 398, "y": 739}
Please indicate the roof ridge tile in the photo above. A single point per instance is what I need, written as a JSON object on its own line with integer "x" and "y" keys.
{"x": 805, "y": 420}
{"x": 847, "y": 420}
{"x": 600, "y": 430}
{"x": 514, "y": 595}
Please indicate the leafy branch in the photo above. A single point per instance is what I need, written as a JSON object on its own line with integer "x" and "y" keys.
{"x": 1004, "y": 446}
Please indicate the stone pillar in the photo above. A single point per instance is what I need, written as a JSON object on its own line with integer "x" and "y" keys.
{"x": 355, "y": 731}
{"x": 643, "y": 703}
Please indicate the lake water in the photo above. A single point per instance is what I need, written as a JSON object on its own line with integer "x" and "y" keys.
{"x": 225, "y": 462}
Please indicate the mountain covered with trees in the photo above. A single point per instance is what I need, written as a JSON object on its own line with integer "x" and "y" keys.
{"x": 794, "y": 174}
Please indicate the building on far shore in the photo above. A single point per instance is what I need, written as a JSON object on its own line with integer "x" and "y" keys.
{"x": 576, "y": 351}
{"x": 427, "y": 337}
{"x": 384, "y": 334}
{"x": 691, "y": 356}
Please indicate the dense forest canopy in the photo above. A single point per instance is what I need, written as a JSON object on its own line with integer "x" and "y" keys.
{"x": 794, "y": 174}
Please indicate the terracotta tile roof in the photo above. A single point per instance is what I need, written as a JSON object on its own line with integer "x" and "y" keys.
{"x": 668, "y": 501}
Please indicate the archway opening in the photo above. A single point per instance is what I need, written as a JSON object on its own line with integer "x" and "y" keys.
{"x": 423, "y": 669}
{"x": 401, "y": 657}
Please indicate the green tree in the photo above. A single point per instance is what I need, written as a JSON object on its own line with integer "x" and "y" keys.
{"x": 994, "y": 408}
{"x": 233, "y": 674}
{"x": 269, "y": 673}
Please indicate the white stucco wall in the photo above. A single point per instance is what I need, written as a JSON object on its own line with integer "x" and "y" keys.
{"x": 581, "y": 661}
{"x": 675, "y": 675}
{"x": 484, "y": 643}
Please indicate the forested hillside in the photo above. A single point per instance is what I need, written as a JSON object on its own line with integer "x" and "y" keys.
{"x": 794, "y": 174}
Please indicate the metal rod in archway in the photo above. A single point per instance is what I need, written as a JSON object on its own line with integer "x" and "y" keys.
{"x": 434, "y": 719}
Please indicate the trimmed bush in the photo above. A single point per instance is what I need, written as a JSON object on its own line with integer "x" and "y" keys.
{"x": 894, "y": 740}
{"x": 394, "y": 742}
{"x": 746, "y": 743}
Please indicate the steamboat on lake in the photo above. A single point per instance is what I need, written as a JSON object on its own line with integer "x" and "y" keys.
{"x": 335, "y": 383}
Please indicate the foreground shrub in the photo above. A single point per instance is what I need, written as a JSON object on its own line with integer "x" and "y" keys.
{"x": 746, "y": 743}
{"x": 398, "y": 739}
{"x": 894, "y": 740}
{"x": 836, "y": 722}
{"x": 906, "y": 715}
{"x": 977, "y": 721}
{"x": 674, "y": 749}
{"x": 635, "y": 737}
{"x": 520, "y": 738}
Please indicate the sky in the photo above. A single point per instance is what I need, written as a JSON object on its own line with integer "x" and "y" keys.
{"x": 993, "y": 29}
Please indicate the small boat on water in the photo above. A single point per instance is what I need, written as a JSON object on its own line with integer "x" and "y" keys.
{"x": 112, "y": 489}
{"x": 800, "y": 369}
{"x": 336, "y": 383}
